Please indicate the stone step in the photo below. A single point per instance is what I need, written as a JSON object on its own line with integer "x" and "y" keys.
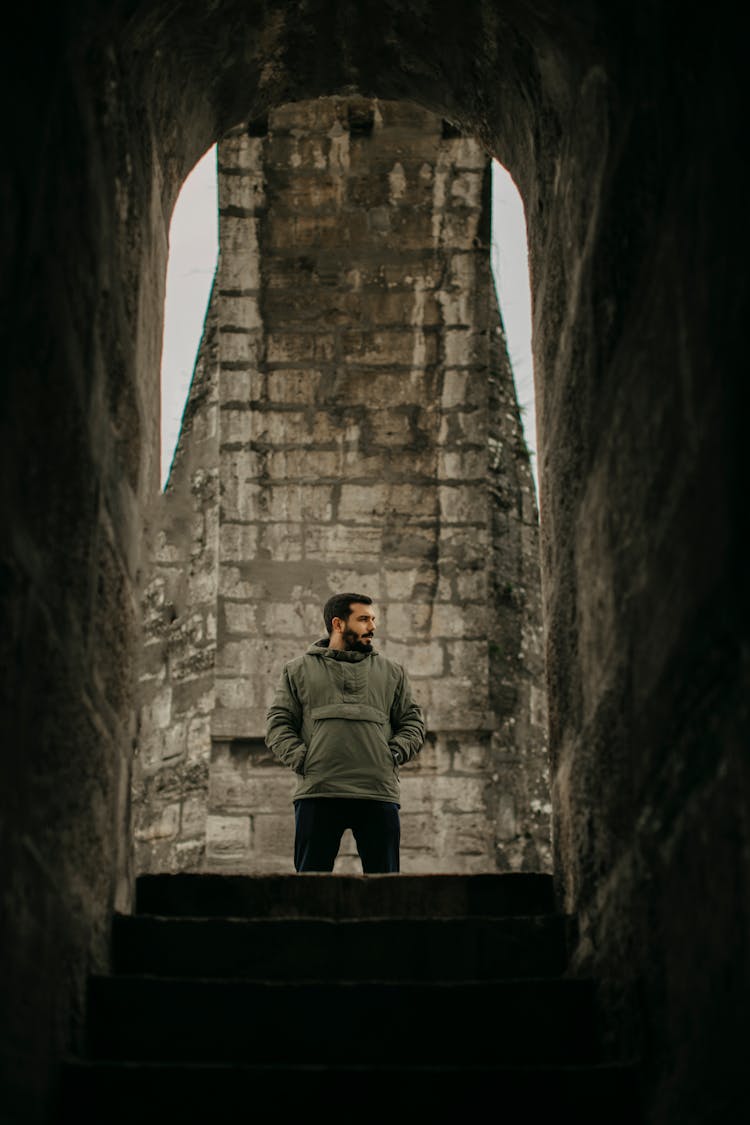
{"x": 149, "y": 1093}
{"x": 149, "y": 1018}
{"x": 345, "y": 896}
{"x": 322, "y": 949}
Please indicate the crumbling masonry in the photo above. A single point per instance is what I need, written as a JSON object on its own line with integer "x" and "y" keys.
{"x": 352, "y": 424}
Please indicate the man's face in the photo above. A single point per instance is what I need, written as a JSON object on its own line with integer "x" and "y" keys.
{"x": 359, "y": 628}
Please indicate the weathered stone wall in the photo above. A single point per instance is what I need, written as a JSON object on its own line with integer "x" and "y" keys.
{"x": 369, "y": 439}
{"x": 624, "y": 130}
{"x": 177, "y": 689}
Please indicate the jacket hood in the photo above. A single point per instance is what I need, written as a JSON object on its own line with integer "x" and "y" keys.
{"x": 320, "y": 648}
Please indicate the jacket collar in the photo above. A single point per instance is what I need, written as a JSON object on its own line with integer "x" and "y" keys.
{"x": 320, "y": 648}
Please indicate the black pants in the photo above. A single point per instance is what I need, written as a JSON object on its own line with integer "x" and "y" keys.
{"x": 320, "y": 822}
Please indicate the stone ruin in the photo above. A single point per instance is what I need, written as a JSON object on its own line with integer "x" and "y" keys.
{"x": 352, "y": 424}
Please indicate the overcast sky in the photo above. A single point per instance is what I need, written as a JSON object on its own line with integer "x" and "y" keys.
{"x": 193, "y": 247}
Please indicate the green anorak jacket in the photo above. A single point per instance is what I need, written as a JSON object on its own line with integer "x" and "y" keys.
{"x": 344, "y": 721}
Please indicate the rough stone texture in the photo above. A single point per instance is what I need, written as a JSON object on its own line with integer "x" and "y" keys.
{"x": 177, "y": 689}
{"x": 624, "y": 129}
{"x": 352, "y": 425}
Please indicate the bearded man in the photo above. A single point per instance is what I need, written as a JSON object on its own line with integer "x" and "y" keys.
{"x": 344, "y": 719}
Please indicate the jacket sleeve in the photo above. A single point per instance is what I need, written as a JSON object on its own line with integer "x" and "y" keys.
{"x": 407, "y": 723}
{"x": 284, "y": 725}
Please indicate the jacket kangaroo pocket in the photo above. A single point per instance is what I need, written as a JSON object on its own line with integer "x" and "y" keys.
{"x": 349, "y": 751}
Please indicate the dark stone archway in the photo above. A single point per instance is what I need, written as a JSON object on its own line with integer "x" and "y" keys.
{"x": 622, "y": 130}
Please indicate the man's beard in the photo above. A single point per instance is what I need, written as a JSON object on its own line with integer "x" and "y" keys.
{"x": 352, "y": 642}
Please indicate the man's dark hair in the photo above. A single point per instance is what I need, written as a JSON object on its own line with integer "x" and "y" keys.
{"x": 340, "y": 605}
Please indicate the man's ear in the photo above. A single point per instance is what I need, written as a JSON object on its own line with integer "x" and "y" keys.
{"x": 338, "y": 624}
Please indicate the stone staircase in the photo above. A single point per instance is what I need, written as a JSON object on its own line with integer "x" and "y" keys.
{"x": 354, "y": 996}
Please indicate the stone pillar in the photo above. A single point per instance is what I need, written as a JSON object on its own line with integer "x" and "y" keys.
{"x": 360, "y": 432}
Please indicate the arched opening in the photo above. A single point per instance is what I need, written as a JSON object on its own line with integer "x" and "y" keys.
{"x": 193, "y": 250}
{"x": 353, "y": 424}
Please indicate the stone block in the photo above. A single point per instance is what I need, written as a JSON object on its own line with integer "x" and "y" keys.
{"x": 409, "y": 584}
{"x": 238, "y": 237}
{"x": 467, "y": 834}
{"x": 166, "y": 550}
{"x": 471, "y": 586}
{"x": 458, "y": 230}
{"x": 407, "y": 306}
{"x": 362, "y": 503}
{"x": 201, "y": 584}
{"x": 462, "y": 707}
{"x": 465, "y": 152}
{"x": 227, "y": 837}
{"x": 293, "y": 386}
{"x": 464, "y": 348}
{"x": 273, "y": 836}
{"x": 162, "y": 826}
{"x": 363, "y": 580}
{"x": 240, "y": 722}
{"x": 288, "y": 503}
{"x": 405, "y": 544}
{"x": 434, "y": 757}
{"x": 240, "y": 273}
{"x": 468, "y": 658}
{"x": 238, "y": 152}
{"x": 237, "y": 660}
{"x": 292, "y": 619}
{"x": 388, "y": 347}
{"x": 160, "y": 710}
{"x": 235, "y": 692}
{"x": 237, "y": 425}
{"x": 354, "y": 387}
{"x": 405, "y": 620}
{"x": 403, "y": 228}
{"x": 462, "y": 465}
{"x": 308, "y": 196}
{"x": 467, "y": 504}
{"x": 239, "y": 618}
{"x": 301, "y": 348}
{"x": 506, "y": 818}
{"x": 420, "y": 658}
{"x": 464, "y": 389}
{"x": 267, "y": 791}
{"x": 282, "y": 542}
{"x": 241, "y": 193}
{"x": 441, "y": 795}
{"x": 463, "y": 428}
{"x": 241, "y": 313}
{"x": 198, "y": 741}
{"x": 404, "y": 462}
{"x": 334, "y": 542}
{"x": 240, "y": 349}
{"x": 466, "y": 188}
{"x": 305, "y": 465}
{"x": 238, "y": 542}
{"x": 457, "y": 308}
{"x": 288, "y": 428}
{"x": 470, "y": 756}
{"x": 240, "y": 583}
{"x": 458, "y": 622}
{"x": 467, "y": 546}
{"x": 174, "y": 739}
{"x": 193, "y": 817}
